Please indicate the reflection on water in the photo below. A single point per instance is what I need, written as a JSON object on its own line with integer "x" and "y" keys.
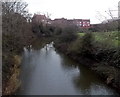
{"x": 46, "y": 72}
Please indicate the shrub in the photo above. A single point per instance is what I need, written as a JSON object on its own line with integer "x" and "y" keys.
{"x": 68, "y": 33}
{"x": 83, "y": 46}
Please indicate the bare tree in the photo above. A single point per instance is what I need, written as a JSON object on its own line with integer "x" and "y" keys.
{"x": 16, "y": 20}
{"x": 108, "y": 23}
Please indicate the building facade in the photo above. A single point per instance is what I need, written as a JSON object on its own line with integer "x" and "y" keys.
{"x": 41, "y": 19}
{"x": 81, "y": 23}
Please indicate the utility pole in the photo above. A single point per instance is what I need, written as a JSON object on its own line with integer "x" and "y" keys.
{"x": 119, "y": 9}
{"x": 118, "y": 17}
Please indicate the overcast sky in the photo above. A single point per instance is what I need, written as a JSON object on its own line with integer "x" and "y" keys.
{"x": 78, "y": 9}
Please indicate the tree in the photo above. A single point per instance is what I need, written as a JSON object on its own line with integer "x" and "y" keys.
{"x": 15, "y": 20}
{"x": 16, "y": 32}
{"x": 41, "y": 25}
{"x": 68, "y": 32}
{"x": 108, "y": 22}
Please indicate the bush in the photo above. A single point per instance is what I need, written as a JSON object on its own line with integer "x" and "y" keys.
{"x": 11, "y": 44}
{"x": 68, "y": 33}
{"x": 87, "y": 46}
{"x": 115, "y": 60}
{"x": 83, "y": 47}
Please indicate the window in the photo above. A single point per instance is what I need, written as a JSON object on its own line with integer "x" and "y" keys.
{"x": 88, "y": 24}
{"x": 43, "y": 20}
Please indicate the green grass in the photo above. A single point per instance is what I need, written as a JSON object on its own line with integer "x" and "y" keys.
{"x": 81, "y": 34}
{"x": 107, "y": 38}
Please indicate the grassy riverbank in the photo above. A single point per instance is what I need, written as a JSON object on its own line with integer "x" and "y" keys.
{"x": 93, "y": 50}
{"x": 109, "y": 38}
{"x": 11, "y": 60}
{"x": 16, "y": 33}
{"x": 13, "y": 81}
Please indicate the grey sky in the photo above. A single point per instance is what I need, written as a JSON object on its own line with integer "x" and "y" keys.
{"x": 78, "y": 9}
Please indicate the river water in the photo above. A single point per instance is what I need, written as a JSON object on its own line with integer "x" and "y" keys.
{"x": 47, "y": 72}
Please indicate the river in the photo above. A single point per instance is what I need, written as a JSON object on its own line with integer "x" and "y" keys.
{"x": 48, "y": 72}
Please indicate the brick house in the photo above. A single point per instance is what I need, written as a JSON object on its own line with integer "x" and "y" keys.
{"x": 41, "y": 19}
{"x": 81, "y": 23}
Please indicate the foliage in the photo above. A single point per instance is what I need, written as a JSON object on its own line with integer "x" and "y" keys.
{"x": 96, "y": 46}
{"x": 16, "y": 30}
{"x": 81, "y": 34}
{"x": 83, "y": 46}
{"x": 110, "y": 39}
{"x": 108, "y": 26}
{"x": 11, "y": 44}
{"x": 68, "y": 33}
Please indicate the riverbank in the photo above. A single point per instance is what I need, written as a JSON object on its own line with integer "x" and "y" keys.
{"x": 100, "y": 61}
{"x": 13, "y": 83}
{"x": 11, "y": 60}
{"x": 109, "y": 74}
{"x": 11, "y": 67}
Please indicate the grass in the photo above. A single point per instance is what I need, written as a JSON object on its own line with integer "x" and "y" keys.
{"x": 107, "y": 38}
{"x": 81, "y": 34}
{"x": 13, "y": 82}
